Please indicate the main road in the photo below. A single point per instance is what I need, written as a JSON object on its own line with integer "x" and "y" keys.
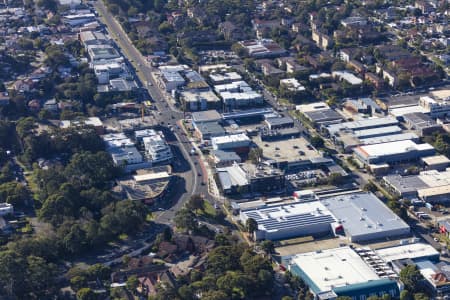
{"x": 167, "y": 114}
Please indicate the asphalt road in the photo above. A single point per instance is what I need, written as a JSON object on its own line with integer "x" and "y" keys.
{"x": 166, "y": 114}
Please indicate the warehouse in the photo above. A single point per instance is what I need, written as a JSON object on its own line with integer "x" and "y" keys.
{"x": 205, "y": 116}
{"x": 392, "y": 152}
{"x": 340, "y": 272}
{"x": 413, "y": 251}
{"x": 403, "y": 186}
{"x": 243, "y": 178}
{"x": 364, "y": 217}
{"x": 421, "y": 123}
{"x": 334, "y": 129}
{"x": 319, "y": 113}
{"x": 286, "y": 221}
{"x": 435, "y": 162}
{"x": 238, "y": 141}
{"x": 348, "y": 139}
{"x": 288, "y": 153}
{"x": 431, "y": 186}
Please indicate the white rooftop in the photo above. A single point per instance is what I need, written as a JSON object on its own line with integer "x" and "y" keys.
{"x": 392, "y": 148}
{"x": 312, "y": 107}
{"x": 364, "y": 216}
{"x": 349, "y": 77}
{"x": 434, "y": 178}
{"x": 151, "y": 176}
{"x": 412, "y": 251}
{"x": 333, "y": 268}
{"x": 230, "y": 138}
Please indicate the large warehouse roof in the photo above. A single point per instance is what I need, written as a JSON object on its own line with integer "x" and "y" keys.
{"x": 411, "y": 251}
{"x": 361, "y": 124}
{"x": 364, "y": 216}
{"x": 328, "y": 269}
{"x": 295, "y": 215}
{"x": 392, "y": 148}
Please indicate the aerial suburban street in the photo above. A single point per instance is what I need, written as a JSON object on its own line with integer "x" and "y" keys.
{"x": 165, "y": 114}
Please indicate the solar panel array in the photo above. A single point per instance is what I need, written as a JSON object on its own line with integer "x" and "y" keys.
{"x": 295, "y": 221}
{"x": 289, "y": 221}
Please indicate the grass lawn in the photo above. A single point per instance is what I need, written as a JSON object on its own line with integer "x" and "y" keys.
{"x": 208, "y": 212}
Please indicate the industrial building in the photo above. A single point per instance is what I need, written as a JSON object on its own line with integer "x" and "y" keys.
{"x": 206, "y": 116}
{"x": 319, "y": 113}
{"x": 253, "y": 113}
{"x": 436, "y": 274}
{"x": 239, "y": 142}
{"x": 285, "y": 221}
{"x": 392, "y": 152}
{"x": 347, "y": 138}
{"x": 431, "y": 186}
{"x": 413, "y": 251}
{"x": 225, "y": 158}
{"x": 279, "y": 122}
{"x": 423, "y": 124}
{"x": 207, "y": 130}
{"x": 360, "y": 216}
{"x": 364, "y": 217}
{"x": 289, "y": 153}
{"x": 248, "y": 178}
{"x": 435, "y": 162}
{"x": 371, "y": 123}
{"x": 341, "y": 272}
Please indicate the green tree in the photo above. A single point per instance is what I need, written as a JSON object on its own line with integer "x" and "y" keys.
{"x": 405, "y": 295}
{"x": 317, "y": 142}
{"x": 185, "y": 219}
{"x": 132, "y": 283}
{"x": 78, "y": 282}
{"x": 251, "y": 225}
{"x": 255, "y": 155}
{"x": 196, "y": 202}
{"x": 215, "y": 295}
{"x": 370, "y": 187}
{"x": 86, "y": 294}
{"x": 99, "y": 271}
{"x": 40, "y": 274}
{"x": 14, "y": 193}
{"x": 267, "y": 246}
{"x": 335, "y": 179}
{"x": 411, "y": 277}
